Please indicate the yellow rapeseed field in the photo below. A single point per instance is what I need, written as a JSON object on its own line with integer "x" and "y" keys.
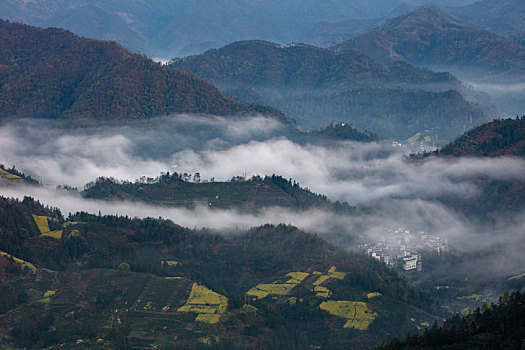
{"x": 43, "y": 227}
{"x": 332, "y": 273}
{"x": 263, "y": 290}
{"x": 357, "y": 313}
{"x": 206, "y": 303}
{"x": 373, "y": 295}
{"x": 23, "y": 263}
{"x": 321, "y": 291}
{"x": 297, "y": 277}
{"x": 6, "y": 175}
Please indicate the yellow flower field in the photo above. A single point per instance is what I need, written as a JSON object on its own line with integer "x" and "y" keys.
{"x": 6, "y": 175}
{"x": 206, "y": 303}
{"x": 23, "y": 263}
{"x": 357, "y": 312}
{"x": 43, "y": 227}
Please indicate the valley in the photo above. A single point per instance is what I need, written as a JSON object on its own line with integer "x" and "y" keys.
{"x": 261, "y": 174}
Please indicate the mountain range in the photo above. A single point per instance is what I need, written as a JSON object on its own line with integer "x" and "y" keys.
{"x": 499, "y": 16}
{"x": 429, "y": 37}
{"x": 315, "y": 86}
{"x": 53, "y": 73}
{"x": 165, "y": 28}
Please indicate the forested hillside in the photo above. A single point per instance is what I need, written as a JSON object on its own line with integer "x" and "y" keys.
{"x": 499, "y": 326}
{"x": 300, "y": 67}
{"x": 104, "y": 281}
{"x": 246, "y": 195}
{"x": 501, "y": 137}
{"x": 429, "y": 37}
{"x": 317, "y": 86}
{"x": 53, "y": 73}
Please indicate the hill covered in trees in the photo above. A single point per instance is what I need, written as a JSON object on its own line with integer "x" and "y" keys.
{"x": 429, "y": 37}
{"x": 500, "y": 326}
{"x": 246, "y": 195}
{"x": 107, "y": 281}
{"x": 300, "y": 67}
{"x": 316, "y": 86}
{"x": 494, "y": 198}
{"x": 52, "y": 73}
{"x": 166, "y": 28}
{"x": 501, "y": 137}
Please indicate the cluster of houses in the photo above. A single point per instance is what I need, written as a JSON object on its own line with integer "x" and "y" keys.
{"x": 402, "y": 247}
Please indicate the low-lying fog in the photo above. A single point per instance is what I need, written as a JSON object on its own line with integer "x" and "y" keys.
{"x": 375, "y": 176}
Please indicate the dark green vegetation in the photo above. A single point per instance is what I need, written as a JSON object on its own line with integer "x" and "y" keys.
{"x": 501, "y": 137}
{"x": 52, "y": 73}
{"x": 264, "y": 65}
{"x": 249, "y": 195}
{"x": 104, "y": 285}
{"x": 427, "y": 36}
{"x": 316, "y": 86}
{"x": 500, "y": 326}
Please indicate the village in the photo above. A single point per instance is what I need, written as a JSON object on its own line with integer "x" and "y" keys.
{"x": 401, "y": 247}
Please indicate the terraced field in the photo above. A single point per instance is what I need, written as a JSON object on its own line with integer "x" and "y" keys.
{"x": 357, "y": 313}
{"x": 208, "y": 305}
{"x": 43, "y": 226}
{"x": 263, "y": 290}
{"x": 7, "y": 175}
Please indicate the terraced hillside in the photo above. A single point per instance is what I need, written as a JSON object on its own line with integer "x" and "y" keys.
{"x": 115, "y": 282}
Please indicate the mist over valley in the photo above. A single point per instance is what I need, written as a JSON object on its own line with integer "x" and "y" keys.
{"x": 262, "y": 175}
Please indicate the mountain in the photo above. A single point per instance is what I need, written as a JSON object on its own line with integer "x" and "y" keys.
{"x": 500, "y": 326}
{"x": 105, "y": 281}
{"x": 501, "y": 137}
{"x": 397, "y": 114}
{"x": 499, "y": 16}
{"x": 165, "y": 28}
{"x": 315, "y": 86}
{"x": 300, "y": 67}
{"x": 328, "y": 33}
{"x": 429, "y": 37}
{"x": 494, "y": 198}
{"x": 53, "y": 73}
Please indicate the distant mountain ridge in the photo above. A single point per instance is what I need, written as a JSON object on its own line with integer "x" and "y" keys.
{"x": 504, "y": 17}
{"x": 53, "y": 73}
{"x": 262, "y": 64}
{"x": 166, "y": 28}
{"x": 429, "y": 37}
{"x": 315, "y": 86}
